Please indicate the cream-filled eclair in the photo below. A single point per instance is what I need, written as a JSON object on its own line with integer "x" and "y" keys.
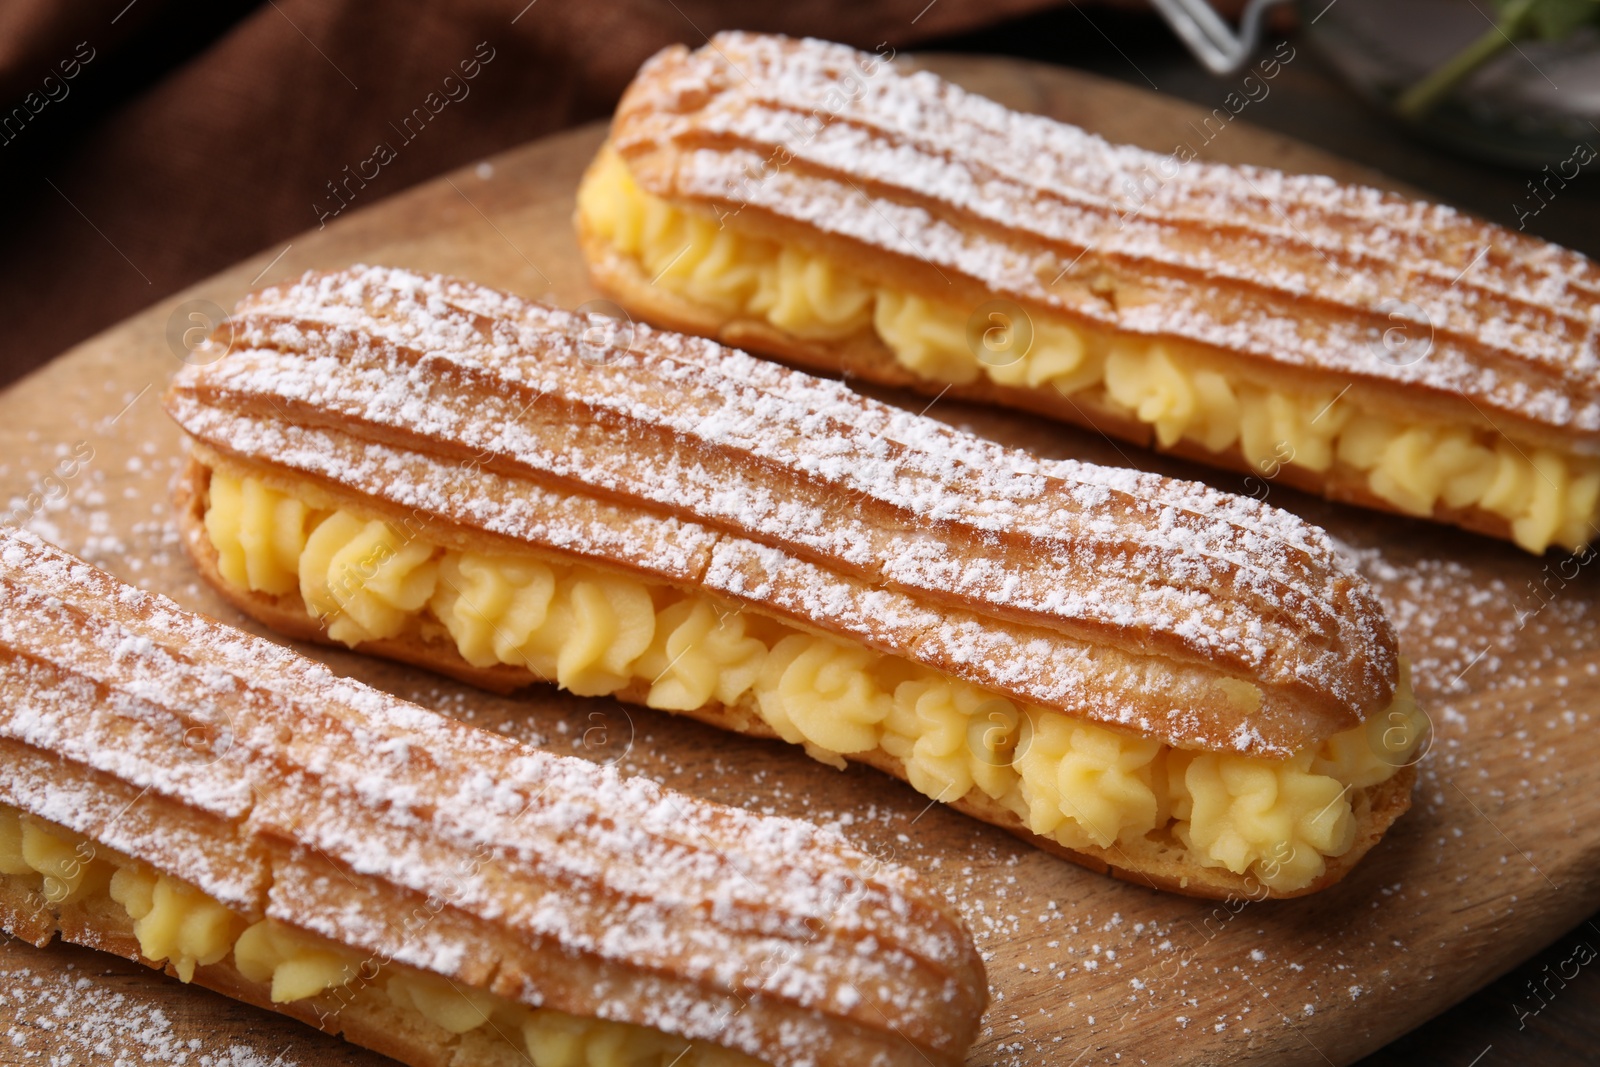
{"x": 203, "y": 801}
{"x": 1140, "y": 673}
{"x": 804, "y": 200}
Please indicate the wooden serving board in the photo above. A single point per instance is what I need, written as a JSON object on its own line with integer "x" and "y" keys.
{"x": 1499, "y": 856}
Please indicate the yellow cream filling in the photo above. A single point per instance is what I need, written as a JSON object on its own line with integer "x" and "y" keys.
{"x": 176, "y": 923}
{"x": 593, "y": 633}
{"x": 1547, "y": 496}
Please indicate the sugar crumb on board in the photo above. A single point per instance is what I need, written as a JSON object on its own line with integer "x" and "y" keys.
{"x": 70, "y": 1017}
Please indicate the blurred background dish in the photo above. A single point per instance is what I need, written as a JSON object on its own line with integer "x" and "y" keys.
{"x": 1467, "y": 81}
{"x": 1517, "y": 82}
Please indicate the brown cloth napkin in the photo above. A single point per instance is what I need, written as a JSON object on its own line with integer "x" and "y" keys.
{"x": 147, "y": 144}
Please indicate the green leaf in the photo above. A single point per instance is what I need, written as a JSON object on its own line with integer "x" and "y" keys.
{"x": 1556, "y": 19}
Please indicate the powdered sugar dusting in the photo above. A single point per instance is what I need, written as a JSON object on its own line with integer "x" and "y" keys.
{"x": 1286, "y": 268}
{"x": 386, "y": 383}
{"x": 82, "y": 1019}
{"x": 336, "y": 804}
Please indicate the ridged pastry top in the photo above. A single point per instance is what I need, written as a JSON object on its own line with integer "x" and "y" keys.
{"x": 279, "y": 788}
{"x": 1292, "y": 269}
{"x": 1121, "y": 597}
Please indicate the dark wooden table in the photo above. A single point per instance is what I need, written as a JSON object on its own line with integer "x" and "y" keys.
{"x": 1532, "y": 1015}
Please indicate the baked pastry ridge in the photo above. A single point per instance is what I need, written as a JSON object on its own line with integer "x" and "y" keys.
{"x": 186, "y": 795}
{"x": 1181, "y": 686}
{"x": 1355, "y": 343}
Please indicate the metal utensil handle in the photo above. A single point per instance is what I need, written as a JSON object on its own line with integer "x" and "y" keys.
{"x": 1210, "y": 39}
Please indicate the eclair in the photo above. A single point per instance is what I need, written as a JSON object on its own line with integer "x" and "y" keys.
{"x": 1187, "y": 688}
{"x": 208, "y": 803}
{"x": 807, "y": 201}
